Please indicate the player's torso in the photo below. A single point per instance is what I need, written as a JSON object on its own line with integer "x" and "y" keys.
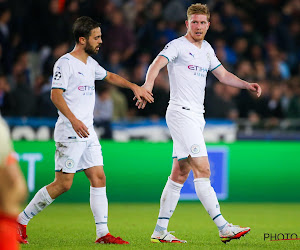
{"x": 81, "y": 87}
{"x": 188, "y": 74}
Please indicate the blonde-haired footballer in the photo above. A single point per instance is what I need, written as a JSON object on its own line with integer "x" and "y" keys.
{"x": 189, "y": 58}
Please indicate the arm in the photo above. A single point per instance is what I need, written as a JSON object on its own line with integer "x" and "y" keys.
{"x": 153, "y": 70}
{"x": 140, "y": 93}
{"x": 60, "y": 103}
{"x": 230, "y": 79}
{"x": 13, "y": 190}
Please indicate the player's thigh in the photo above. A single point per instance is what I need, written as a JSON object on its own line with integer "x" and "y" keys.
{"x": 68, "y": 156}
{"x": 92, "y": 156}
{"x": 186, "y": 129}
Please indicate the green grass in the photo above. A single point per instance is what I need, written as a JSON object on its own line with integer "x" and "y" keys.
{"x": 71, "y": 226}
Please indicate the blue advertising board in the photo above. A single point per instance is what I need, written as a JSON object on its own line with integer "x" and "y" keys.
{"x": 218, "y": 160}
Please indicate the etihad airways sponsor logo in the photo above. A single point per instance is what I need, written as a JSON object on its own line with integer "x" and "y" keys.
{"x": 86, "y": 88}
{"x": 197, "y": 68}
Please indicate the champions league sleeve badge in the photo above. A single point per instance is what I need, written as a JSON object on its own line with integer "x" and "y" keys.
{"x": 57, "y": 75}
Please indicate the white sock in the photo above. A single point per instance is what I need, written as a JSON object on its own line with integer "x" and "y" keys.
{"x": 168, "y": 203}
{"x": 208, "y": 198}
{"x": 99, "y": 207}
{"x": 40, "y": 201}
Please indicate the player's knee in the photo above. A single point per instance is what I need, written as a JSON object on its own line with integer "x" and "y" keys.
{"x": 202, "y": 171}
{"x": 182, "y": 177}
{"x": 98, "y": 180}
{"x": 65, "y": 186}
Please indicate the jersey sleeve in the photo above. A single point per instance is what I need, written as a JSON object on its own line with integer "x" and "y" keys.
{"x": 61, "y": 74}
{"x": 100, "y": 73}
{"x": 170, "y": 51}
{"x": 214, "y": 61}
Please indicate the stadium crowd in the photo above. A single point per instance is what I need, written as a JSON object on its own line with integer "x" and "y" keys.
{"x": 257, "y": 40}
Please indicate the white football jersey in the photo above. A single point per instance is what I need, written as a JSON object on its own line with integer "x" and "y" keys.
{"x": 188, "y": 66}
{"x": 77, "y": 79}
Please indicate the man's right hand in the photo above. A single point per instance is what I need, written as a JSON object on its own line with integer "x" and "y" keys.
{"x": 80, "y": 129}
{"x": 142, "y": 104}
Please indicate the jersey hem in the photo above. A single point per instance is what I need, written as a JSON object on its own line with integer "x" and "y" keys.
{"x": 216, "y": 67}
{"x": 104, "y": 76}
{"x": 59, "y": 88}
{"x": 165, "y": 57}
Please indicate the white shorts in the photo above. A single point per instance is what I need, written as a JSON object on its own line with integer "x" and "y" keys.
{"x": 72, "y": 157}
{"x": 186, "y": 128}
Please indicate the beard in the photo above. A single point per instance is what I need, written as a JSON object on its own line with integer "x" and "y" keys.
{"x": 90, "y": 50}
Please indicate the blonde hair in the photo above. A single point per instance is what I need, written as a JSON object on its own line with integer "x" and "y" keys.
{"x": 198, "y": 9}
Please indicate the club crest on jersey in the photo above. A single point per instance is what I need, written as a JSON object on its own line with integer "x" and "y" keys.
{"x": 57, "y": 76}
{"x": 69, "y": 163}
{"x": 195, "y": 149}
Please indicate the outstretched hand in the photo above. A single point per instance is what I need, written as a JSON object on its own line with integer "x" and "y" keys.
{"x": 141, "y": 104}
{"x": 254, "y": 87}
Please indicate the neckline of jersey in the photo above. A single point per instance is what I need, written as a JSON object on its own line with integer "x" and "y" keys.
{"x": 193, "y": 44}
{"x": 79, "y": 59}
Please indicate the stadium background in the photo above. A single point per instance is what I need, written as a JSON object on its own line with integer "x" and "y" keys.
{"x": 257, "y": 40}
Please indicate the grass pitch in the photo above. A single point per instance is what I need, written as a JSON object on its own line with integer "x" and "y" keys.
{"x": 71, "y": 226}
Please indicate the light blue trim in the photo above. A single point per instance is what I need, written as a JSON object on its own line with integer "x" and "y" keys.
{"x": 182, "y": 158}
{"x": 97, "y": 223}
{"x": 79, "y": 170}
{"x": 216, "y": 67}
{"x": 221, "y": 227}
{"x": 158, "y": 228}
{"x": 57, "y": 170}
{"x": 165, "y": 57}
{"x": 104, "y": 76}
{"x": 174, "y": 157}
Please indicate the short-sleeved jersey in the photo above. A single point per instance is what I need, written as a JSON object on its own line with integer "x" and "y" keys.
{"x": 5, "y": 142}
{"x": 77, "y": 79}
{"x": 188, "y": 66}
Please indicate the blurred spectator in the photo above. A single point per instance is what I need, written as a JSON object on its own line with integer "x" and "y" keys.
{"x": 103, "y": 112}
{"x": 5, "y": 41}
{"x": 120, "y": 104}
{"x": 241, "y": 48}
{"x": 217, "y": 29}
{"x": 59, "y": 50}
{"x": 45, "y": 107}
{"x": 4, "y": 96}
{"x": 22, "y": 98}
{"x": 292, "y": 93}
{"x": 53, "y": 25}
{"x": 219, "y": 103}
{"x": 118, "y": 37}
{"x": 114, "y": 61}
